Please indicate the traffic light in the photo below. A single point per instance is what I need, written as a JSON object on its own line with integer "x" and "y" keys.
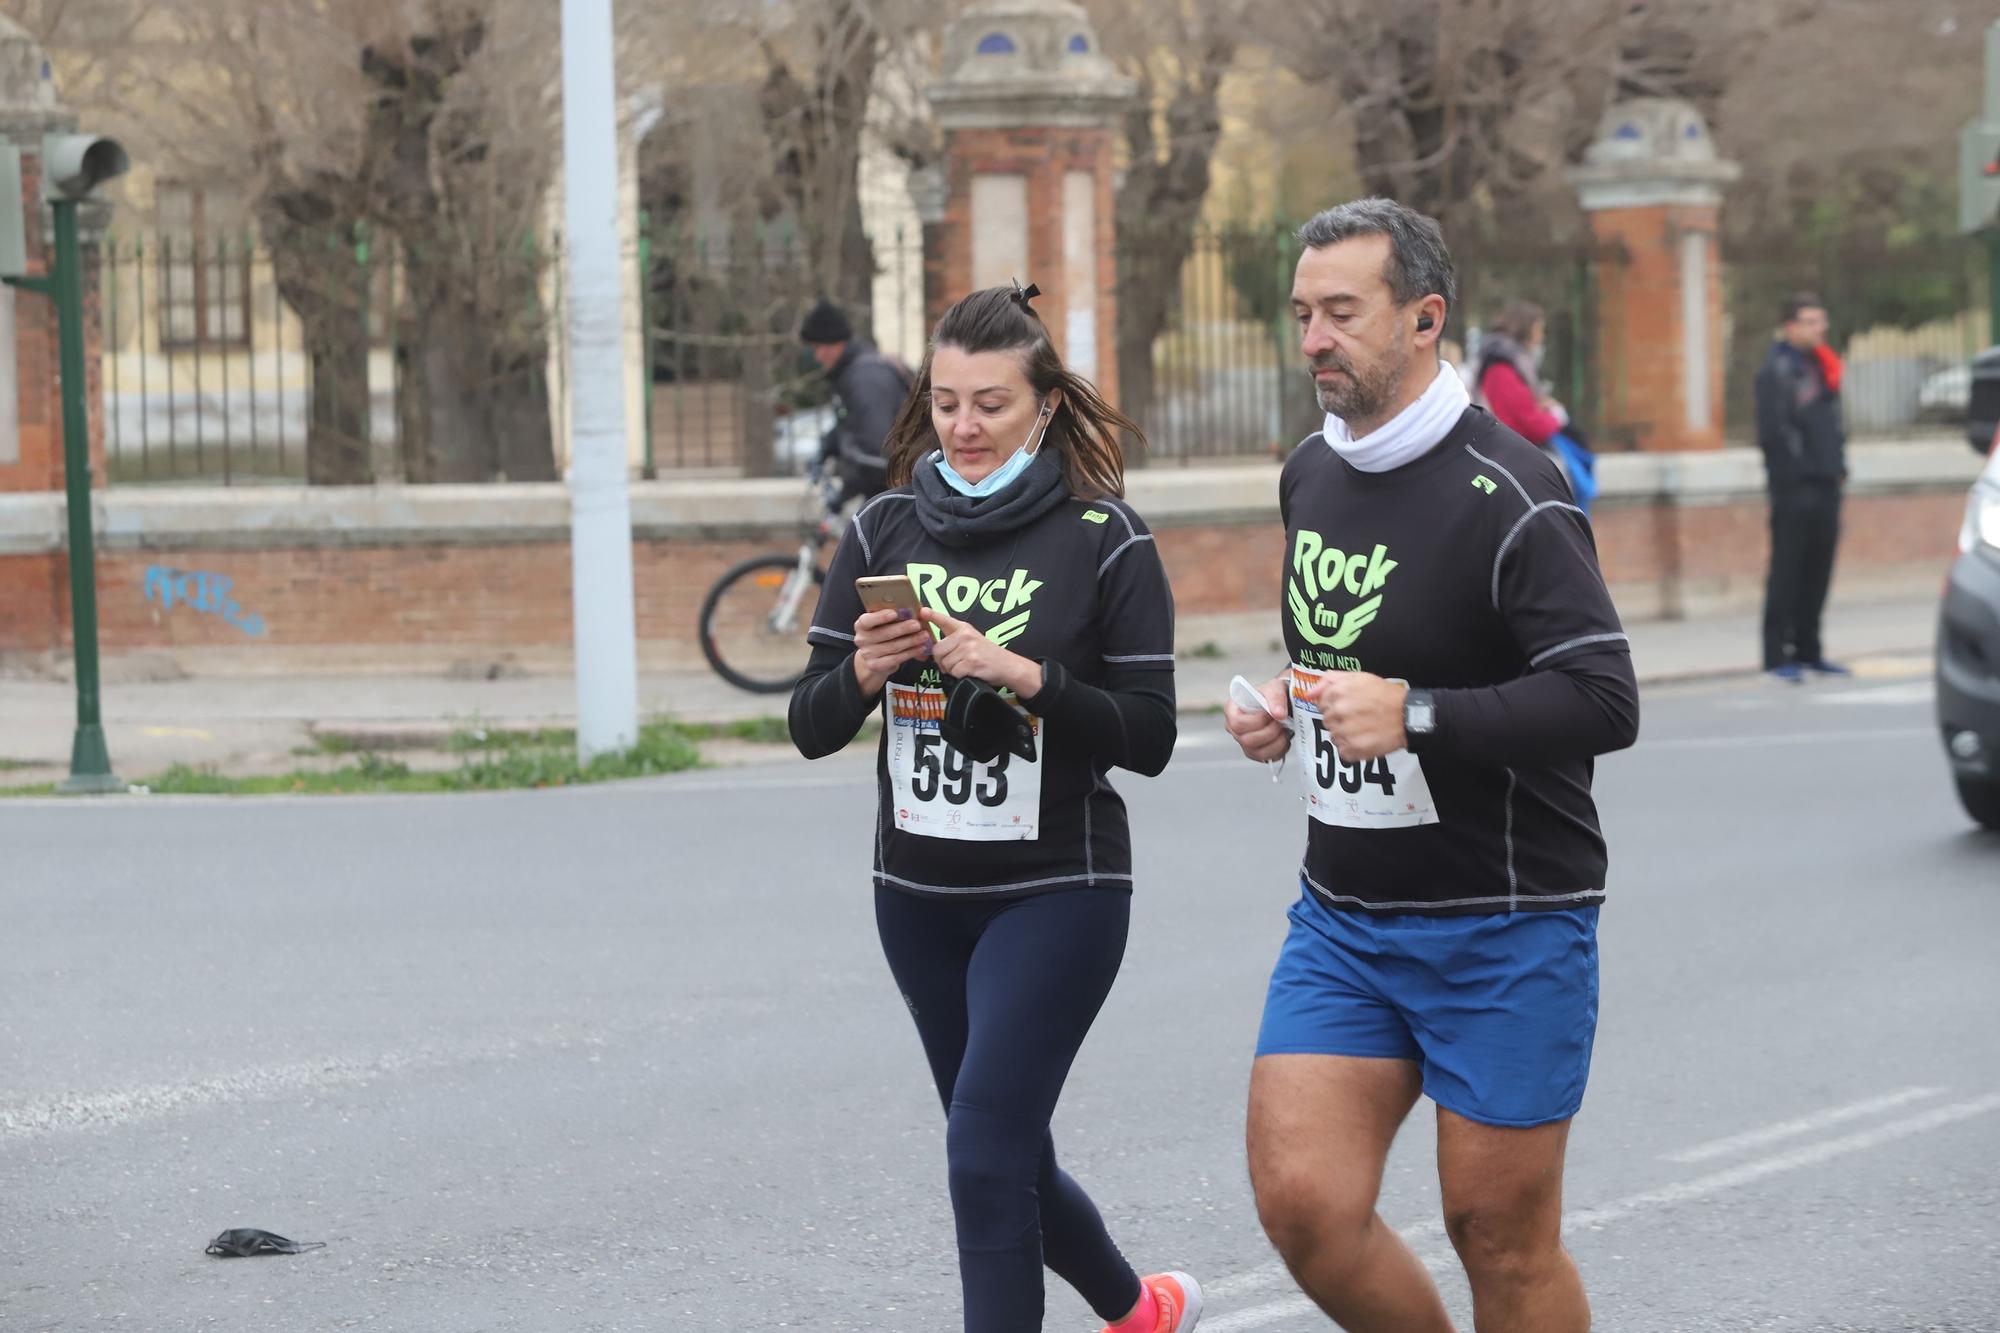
{"x": 73, "y": 165}
{"x": 1978, "y": 176}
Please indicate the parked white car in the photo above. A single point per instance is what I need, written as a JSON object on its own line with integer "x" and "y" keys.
{"x": 1968, "y": 654}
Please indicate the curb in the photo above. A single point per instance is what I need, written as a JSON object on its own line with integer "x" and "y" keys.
{"x": 432, "y": 735}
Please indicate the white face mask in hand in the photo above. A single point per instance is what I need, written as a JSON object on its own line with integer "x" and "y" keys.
{"x": 1251, "y": 699}
{"x": 1003, "y": 476}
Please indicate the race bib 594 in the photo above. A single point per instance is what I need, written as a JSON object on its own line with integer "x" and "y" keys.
{"x": 1389, "y": 792}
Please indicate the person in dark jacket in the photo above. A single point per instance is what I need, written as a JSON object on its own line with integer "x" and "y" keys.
{"x": 1804, "y": 441}
{"x": 868, "y": 391}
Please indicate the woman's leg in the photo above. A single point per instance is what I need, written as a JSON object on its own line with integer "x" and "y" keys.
{"x": 1040, "y": 971}
{"x": 928, "y": 943}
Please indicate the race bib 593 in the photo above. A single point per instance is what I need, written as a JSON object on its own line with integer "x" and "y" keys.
{"x": 941, "y": 793}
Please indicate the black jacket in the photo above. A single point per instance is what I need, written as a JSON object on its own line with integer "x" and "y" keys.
{"x": 1799, "y": 424}
{"x": 868, "y": 392}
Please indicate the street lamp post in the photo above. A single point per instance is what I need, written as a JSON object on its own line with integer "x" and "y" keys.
{"x": 74, "y": 165}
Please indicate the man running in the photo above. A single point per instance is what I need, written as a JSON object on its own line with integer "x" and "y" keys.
{"x": 1456, "y": 666}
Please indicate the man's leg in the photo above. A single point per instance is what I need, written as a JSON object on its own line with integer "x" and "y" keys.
{"x": 1503, "y": 1211}
{"x": 1821, "y": 540}
{"x": 1781, "y": 585}
{"x": 1320, "y": 1130}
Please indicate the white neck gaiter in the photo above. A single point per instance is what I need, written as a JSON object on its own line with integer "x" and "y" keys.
{"x": 1414, "y": 431}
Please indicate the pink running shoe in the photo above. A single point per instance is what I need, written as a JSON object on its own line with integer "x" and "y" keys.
{"x": 1178, "y": 1297}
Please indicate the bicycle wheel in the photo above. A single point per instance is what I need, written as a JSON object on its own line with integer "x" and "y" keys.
{"x": 748, "y": 634}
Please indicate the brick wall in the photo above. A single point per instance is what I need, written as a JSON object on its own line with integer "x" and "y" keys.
{"x": 34, "y": 603}
{"x": 421, "y": 573}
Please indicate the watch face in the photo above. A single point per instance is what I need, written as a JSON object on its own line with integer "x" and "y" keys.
{"x": 1418, "y": 717}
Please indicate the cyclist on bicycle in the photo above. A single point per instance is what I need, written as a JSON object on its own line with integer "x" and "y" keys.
{"x": 868, "y": 391}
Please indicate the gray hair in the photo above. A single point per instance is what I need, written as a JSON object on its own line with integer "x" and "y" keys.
{"x": 1419, "y": 264}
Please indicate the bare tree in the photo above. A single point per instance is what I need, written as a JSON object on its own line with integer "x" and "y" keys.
{"x": 378, "y": 127}
{"x": 1179, "y": 51}
{"x": 462, "y": 189}
{"x": 753, "y": 177}
{"x": 1468, "y": 109}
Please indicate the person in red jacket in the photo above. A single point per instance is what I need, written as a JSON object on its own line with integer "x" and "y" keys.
{"x": 1510, "y": 357}
{"x": 1508, "y": 381}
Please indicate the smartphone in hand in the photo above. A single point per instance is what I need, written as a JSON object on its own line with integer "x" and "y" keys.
{"x": 888, "y": 592}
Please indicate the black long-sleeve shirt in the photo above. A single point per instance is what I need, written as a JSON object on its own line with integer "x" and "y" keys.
{"x": 1079, "y": 589}
{"x": 1471, "y": 574}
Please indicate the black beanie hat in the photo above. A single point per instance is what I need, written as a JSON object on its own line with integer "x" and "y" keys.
{"x": 825, "y": 323}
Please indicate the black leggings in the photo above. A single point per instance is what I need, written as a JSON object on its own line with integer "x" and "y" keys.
{"x": 1004, "y": 994}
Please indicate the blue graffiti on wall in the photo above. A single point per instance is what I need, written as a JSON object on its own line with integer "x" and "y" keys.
{"x": 202, "y": 591}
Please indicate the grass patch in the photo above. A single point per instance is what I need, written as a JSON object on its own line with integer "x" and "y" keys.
{"x": 478, "y": 740}
{"x": 756, "y": 730}
{"x": 10, "y": 765}
{"x": 524, "y": 762}
{"x": 1209, "y": 649}
{"x": 759, "y": 731}
{"x": 488, "y": 761}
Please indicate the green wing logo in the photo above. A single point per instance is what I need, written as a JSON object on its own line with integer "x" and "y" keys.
{"x": 1318, "y": 572}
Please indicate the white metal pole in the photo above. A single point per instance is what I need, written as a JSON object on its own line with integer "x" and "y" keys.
{"x": 607, "y": 685}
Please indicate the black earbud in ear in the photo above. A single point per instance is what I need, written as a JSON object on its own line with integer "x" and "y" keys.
{"x": 1424, "y": 323}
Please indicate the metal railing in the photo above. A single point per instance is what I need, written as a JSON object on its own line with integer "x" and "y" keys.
{"x": 206, "y": 378}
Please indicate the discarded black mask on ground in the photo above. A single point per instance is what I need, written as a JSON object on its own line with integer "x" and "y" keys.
{"x": 248, "y": 1242}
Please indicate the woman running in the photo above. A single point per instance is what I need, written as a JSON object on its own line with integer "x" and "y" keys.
{"x": 1040, "y": 657}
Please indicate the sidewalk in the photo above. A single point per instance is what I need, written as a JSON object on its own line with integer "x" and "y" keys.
{"x": 255, "y": 725}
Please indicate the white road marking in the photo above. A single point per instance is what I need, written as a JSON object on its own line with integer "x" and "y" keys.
{"x": 1914, "y": 692}
{"x": 1758, "y": 742}
{"x": 1813, "y": 1154}
{"x": 1805, "y": 1124}
{"x": 1590, "y": 1219}
{"x": 128, "y": 1106}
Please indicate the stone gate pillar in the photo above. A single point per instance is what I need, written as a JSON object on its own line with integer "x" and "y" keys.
{"x": 1028, "y": 107}
{"x": 1652, "y": 184}
{"x": 31, "y": 445}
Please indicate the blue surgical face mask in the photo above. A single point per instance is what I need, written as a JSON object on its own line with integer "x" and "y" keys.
{"x": 1001, "y": 477}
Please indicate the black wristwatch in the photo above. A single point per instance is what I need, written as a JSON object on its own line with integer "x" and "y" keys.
{"x": 1419, "y": 719}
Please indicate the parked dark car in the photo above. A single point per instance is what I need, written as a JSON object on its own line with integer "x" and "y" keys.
{"x": 1968, "y": 653}
{"x": 1982, "y": 406}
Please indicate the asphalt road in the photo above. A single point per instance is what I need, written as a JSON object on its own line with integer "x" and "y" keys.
{"x": 627, "y": 1058}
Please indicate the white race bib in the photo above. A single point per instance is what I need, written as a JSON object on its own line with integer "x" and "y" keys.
{"x": 940, "y": 793}
{"x": 1390, "y": 792}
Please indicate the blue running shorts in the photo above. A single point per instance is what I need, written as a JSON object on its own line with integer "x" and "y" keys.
{"x": 1498, "y": 1011}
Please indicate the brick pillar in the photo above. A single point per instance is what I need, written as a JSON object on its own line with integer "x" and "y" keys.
{"x": 32, "y": 459}
{"x": 34, "y": 596}
{"x": 1652, "y": 185}
{"x": 1027, "y": 106}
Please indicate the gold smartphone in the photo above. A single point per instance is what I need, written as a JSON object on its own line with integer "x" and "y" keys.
{"x": 888, "y": 592}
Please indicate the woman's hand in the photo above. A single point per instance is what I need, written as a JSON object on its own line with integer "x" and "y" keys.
{"x": 964, "y": 651}
{"x": 883, "y": 641}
